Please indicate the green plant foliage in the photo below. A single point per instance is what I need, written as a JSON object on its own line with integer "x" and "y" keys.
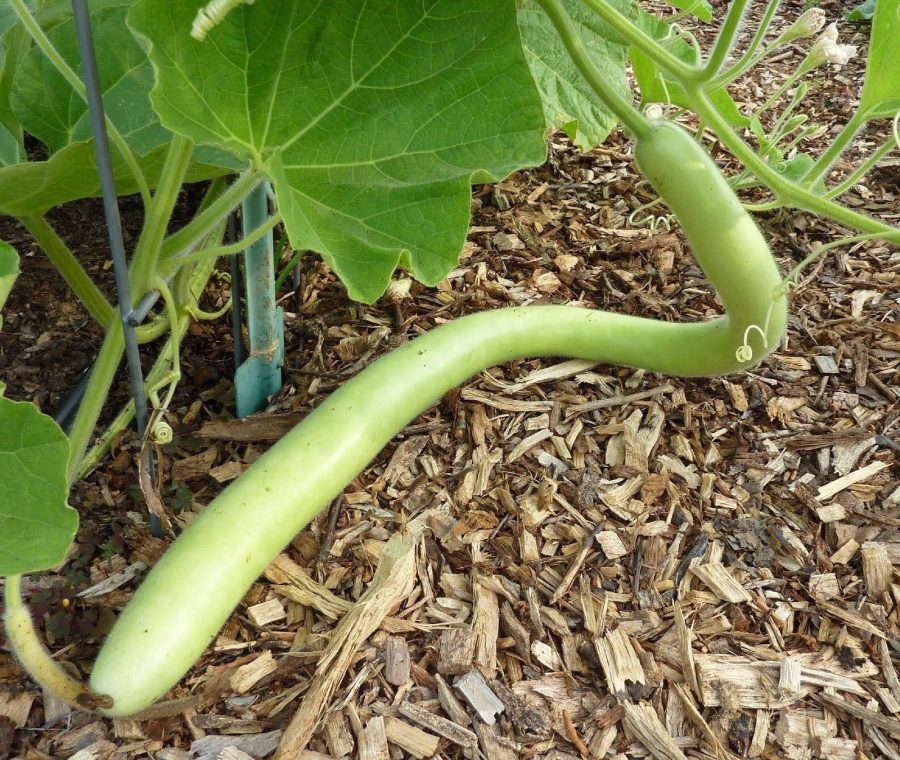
{"x": 569, "y": 103}
{"x": 655, "y": 87}
{"x": 33, "y": 187}
{"x": 9, "y": 147}
{"x": 9, "y": 270}
{"x": 371, "y": 119}
{"x": 881, "y": 91}
{"x": 52, "y": 111}
{"x": 862, "y": 12}
{"x": 36, "y": 524}
{"x": 14, "y": 44}
{"x": 700, "y": 9}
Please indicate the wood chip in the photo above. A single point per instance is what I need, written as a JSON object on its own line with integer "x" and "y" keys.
{"x": 456, "y": 651}
{"x": 374, "y": 745}
{"x": 620, "y": 663}
{"x": 396, "y": 661}
{"x": 643, "y": 724}
{"x": 246, "y": 676}
{"x": 257, "y": 427}
{"x": 479, "y": 695}
{"x": 889, "y": 724}
{"x": 268, "y": 612}
{"x": 877, "y": 568}
{"x": 391, "y": 584}
{"x": 438, "y": 725}
{"x": 858, "y": 476}
{"x": 721, "y": 582}
{"x": 195, "y": 467}
{"x": 486, "y": 627}
{"x": 415, "y": 741}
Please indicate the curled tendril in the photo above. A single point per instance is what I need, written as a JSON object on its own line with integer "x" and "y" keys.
{"x": 744, "y": 352}
{"x": 895, "y": 128}
{"x": 654, "y": 223}
{"x": 162, "y": 432}
{"x": 654, "y": 111}
{"x": 677, "y": 30}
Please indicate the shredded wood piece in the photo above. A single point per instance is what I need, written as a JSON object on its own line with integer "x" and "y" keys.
{"x": 456, "y": 651}
{"x": 739, "y": 682}
{"x": 337, "y": 734}
{"x": 642, "y": 722}
{"x": 246, "y": 676}
{"x": 620, "y": 663}
{"x": 686, "y": 651}
{"x": 722, "y": 583}
{"x": 858, "y": 476}
{"x": 438, "y": 725}
{"x": 478, "y": 694}
{"x": 268, "y": 612}
{"x": 392, "y": 583}
{"x": 877, "y": 568}
{"x": 415, "y": 741}
{"x": 373, "y": 745}
{"x": 297, "y": 586}
{"x": 608, "y": 403}
{"x": 889, "y": 724}
{"x": 760, "y": 734}
{"x": 486, "y": 627}
{"x": 396, "y": 661}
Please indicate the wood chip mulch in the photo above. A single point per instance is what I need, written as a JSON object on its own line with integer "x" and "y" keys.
{"x": 561, "y": 560}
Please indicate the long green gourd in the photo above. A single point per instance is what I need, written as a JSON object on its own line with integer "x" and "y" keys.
{"x": 190, "y": 593}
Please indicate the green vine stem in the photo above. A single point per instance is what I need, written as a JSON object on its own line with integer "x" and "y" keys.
{"x": 790, "y": 279}
{"x": 34, "y": 656}
{"x": 208, "y": 218}
{"x": 197, "y": 283}
{"x": 175, "y": 319}
{"x": 633, "y": 120}
{"x": 69, "y": 268}
{"x": 227, "y": 250}
{"x": 148, "y": 250}
{"x": 749, "y": 58}
{"x": 143, "y": 269}
{"x": 100, "y": 381}
{"x": 60, "y": 64}
{"x": 862, "y": 169}
{"x": 789, "y": 193}
{"x": 725, "y": 41}
{"x": 833, "y": 152}
{"x": 637, "y": 37}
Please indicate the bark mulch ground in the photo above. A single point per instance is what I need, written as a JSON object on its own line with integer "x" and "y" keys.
{"x": 561, "y": 559}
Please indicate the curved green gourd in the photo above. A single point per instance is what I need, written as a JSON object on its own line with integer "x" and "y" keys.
{"x": 194, "y": 588}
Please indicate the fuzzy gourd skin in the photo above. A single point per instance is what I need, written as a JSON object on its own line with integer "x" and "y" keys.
{"x": 194, "y": 588}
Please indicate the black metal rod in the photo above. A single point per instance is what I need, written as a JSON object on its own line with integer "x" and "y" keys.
{"x": 113, "y": 223}
{"x": 140, "y": 312}
{"x": 110, "y": 206}
{"x": 236, "y": 312}
{"x": 66, "y": 411}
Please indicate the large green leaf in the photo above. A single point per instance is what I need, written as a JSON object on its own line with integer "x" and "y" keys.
{"x": 881, "y": 91}
{"x": 14, "y": 44}
{"x": 36, "y": 524}
{"x": 9, "y": 147}
{"x": 569, "y": 103}
{"x": 371, "y": 118}
{"x": 50, "y": 109}
{"x": 33, "y": 187}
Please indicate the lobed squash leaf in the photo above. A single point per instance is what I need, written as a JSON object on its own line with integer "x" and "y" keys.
{"x": 370, "y": 118}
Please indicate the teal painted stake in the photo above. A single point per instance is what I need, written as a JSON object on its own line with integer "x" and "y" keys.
{"x": 260, "y": 375}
